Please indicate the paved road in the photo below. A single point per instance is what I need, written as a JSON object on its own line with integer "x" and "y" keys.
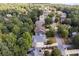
{"x": 60, "y": 44}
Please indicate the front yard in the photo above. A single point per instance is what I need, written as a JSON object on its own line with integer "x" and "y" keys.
{"x": 51, "y": 40}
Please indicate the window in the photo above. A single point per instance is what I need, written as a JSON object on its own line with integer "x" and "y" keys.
{"x": 39, "y": 50}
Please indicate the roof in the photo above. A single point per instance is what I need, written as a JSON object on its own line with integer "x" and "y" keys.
{"x": 39, "y": 38}
{"x": 9, "y": 15}
{"x": 40, "y": 29}
{"x": 63, "y": 14}
{"x": 74, "y": 33}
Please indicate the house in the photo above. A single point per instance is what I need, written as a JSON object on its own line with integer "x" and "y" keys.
{"x": 59, "y": 12}
{"x": 39, "y": 26}
{"x": 40, "y": 30}
{"x": 53, "y": 19}
{"x": 46, "y": 11}
{"x": 37, "y": 43}
{"x": 39, "y": 38}
{"x": 63, "y": 16}
{"x": 38, "y": 23}
{"x": 9, "y": 15}
{"x": 42, "y": 19}
{"x": 6, "y": 19}
{"x": 74, "y": 33}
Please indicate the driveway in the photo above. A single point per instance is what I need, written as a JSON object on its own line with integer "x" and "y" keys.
{"x": 60, "y": 44}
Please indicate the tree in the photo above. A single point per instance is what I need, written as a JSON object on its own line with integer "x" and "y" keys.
{"x": 17, "y": 21}
{"x": 8, "y": 25}
{"x": 57, "y": 18}
{"x": 16, "y": 29}
{"x": 4, "y": 30}
{"x": 63, "y": 30}
{"x": 10, "y": 45}
{"x": 50, "y": 33}
{"x": 28, "y": 26}
{"x": 4, "y": 50}
{"x": 1, "y": 26}
{"x": 7, "y": 44}
{"x": 34, "y": 14}
{"x": 27, "y": 39}
{"x": 75, "y": 41}
{"x": 75, "y": 20}
{"x": 10, "y": 40}
{"x": 51, "y": 14}
{"x": 24, "y": 42}
{"x": 48, "y": 20}
{"x": 64, "y": 33}
{"x": 67, "y": 21}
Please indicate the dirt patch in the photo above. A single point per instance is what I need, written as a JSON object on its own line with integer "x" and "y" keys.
{"x": 66, "y": 41}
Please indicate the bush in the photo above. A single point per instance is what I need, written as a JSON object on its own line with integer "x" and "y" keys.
{"x": 56, "y": 52}
{"x": 50, "y": 33}
{"x": 65, "y": 33}
{"x": 75, "y": 41}
{"x": 46, "y": 53}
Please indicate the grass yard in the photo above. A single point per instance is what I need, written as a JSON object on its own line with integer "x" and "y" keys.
{"x": 51, "y": 40}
